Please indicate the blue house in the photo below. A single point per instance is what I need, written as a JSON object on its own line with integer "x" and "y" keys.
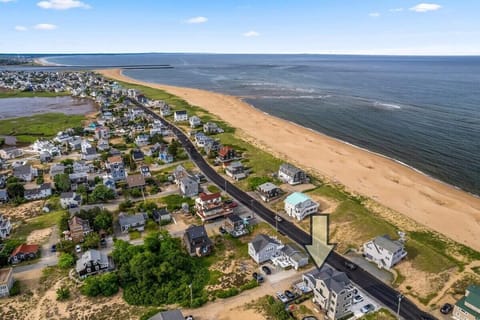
{"x": 165, "y": 156}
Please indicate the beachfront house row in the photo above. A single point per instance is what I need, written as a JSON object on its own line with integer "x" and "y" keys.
{"x": 92, "y": 262}
{"x": 180, "y": 116}
{"x": 291, "y": 174}
{"x": 332, "y": 291}
{"x": 468, "y": 307}
{"x": 384, "y": 251}
{"x": 132, "y": 222}
{"x": 6, "y": 281}
{"x": 226, "y": 154}
{"x": 194, "y": 121}
{"x": 197, "y": 241}
{"x": 165, "y": 110}
{"x": 79, "y": 228}
{"x": 70, "y": 200}
{"x": 210, "y": 206}
{"x": 236, "y": 171}
{"x": 5, "y": 227}
{"x": 211, "y": 128}
{"x": 268, "y": 191}
{"x": 298, "y": 205}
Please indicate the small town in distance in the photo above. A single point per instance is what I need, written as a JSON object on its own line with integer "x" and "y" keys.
{"x": 97, "y": 208}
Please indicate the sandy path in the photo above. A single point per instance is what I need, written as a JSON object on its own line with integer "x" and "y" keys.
{"x": 441, "y": 207}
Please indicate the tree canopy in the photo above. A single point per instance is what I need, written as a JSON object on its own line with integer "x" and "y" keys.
{"x": 62, "y": 182}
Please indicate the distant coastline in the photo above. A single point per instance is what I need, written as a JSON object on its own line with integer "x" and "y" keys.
{"x": 388, "y": 181}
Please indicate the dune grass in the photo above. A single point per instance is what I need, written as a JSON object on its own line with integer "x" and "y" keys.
{"x": 30, "y": 94}
{"x": 29, "y": 129}
{"x": 43, "y": 221}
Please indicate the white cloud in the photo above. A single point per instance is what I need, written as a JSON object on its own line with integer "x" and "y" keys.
{"x": 374, "y": 14}
{"x": 425, "y": 7}
{"x": 5, "y": 1}
{"x": 195, "y": 20}
{"x": 45, "y": 26}
{"x": 251, "y": 34}
{"x": 21, "y": 28}
{"x": 396, "y": 10}
{"x": 62, "y": 4}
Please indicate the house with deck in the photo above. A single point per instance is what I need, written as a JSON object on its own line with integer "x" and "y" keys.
{"x": 79, "y": 228}
{"x": 268, "y": 191}
{"x": 236, "y": 170}
{"x": 130, "y": 222}
{"x": 197, "y": 241}
{"x": 384, "y": 251}
{"x": 92, "y": 262}
{"x": 298, "y": 205}
{"x": 180, "y": 116}
{"x": 10, "y": 153}
{"x": 194, "y": 122}
{"x": 25, "y": 173}
{"x": 468, "y": 307}
{"x": 211, "y": 206}
{"x": 70, "y": 200}
{"x": 39, "y": 192}
{"x": 292, "y": 175}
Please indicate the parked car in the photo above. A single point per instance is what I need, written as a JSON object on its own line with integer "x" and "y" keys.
{"x": 257, "y": 277}
{"x": 289, "y": 294}
{"x": 222, "y": 230}
{"x": 53, "y": 248}
{"x": 78, "y": 248}
{"x": 367, "y": 308}
{"x": 247, "y": 218}
{"x": 189, "y": 318}
{"x": 282, "y": 297}
{"x": 266, "y": 270}
{"x": 446, "y": 308}
{"x": 350, "y": 265}
{"x": 358, "y": 298}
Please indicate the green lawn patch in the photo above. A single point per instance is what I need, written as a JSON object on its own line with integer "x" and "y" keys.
{"x": 29, "y": 129}
{"x": 381, "y": 314}
{"x": 46, "y": 220}
{"x": 213, "y": 188}
{"x": 133, "y": 235}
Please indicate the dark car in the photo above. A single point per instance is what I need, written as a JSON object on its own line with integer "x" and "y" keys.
{"x": 257, "y": 277}
{"x": 222, "y": 230}
{"x": 53, "y": 248}
{"x": 446, "y": 308}
{"x": 266, "y": 270}
{"x": 350, "y": 265}
{"x": 289, "y": 294}
{"x": 103, "y": 242}
{"x": 424, "y": 317}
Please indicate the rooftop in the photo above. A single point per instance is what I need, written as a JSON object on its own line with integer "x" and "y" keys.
{"x": 5, "y": 274}
{"x": 296, "y": 198}
{"x": 136, "y": 180}
{"x": 388, "y": 244}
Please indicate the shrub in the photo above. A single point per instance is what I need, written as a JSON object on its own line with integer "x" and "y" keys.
{"x": 63, "y": 293}
{"x": 15, "y": 290}
{"x": 65, "y": 260}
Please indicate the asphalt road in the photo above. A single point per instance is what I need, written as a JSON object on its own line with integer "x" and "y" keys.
{"x": 376, "y": 288}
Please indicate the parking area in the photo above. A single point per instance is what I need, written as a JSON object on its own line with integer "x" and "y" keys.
{"x": 365, "y": 300}
{"x": 381, "y": 274}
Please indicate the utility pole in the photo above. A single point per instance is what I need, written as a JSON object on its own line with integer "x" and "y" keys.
{"x": 400, "y": 297}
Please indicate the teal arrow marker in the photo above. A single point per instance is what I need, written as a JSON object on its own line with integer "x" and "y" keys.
{"x": 320, "y": 247}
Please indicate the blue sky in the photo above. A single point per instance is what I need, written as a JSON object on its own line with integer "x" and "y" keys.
{"x": 225, "y": 26}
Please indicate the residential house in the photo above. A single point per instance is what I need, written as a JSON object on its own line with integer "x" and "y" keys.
{"x": 75, "y": 143}
{"x": 200, "y": 138}
{"x": 136, "y": 181}
{"x": 384, "y": 251}
{"x": 116, "y": 168}
{"x": 109, "y": 182}
{"x": 263, "y": 248}
{"x": 298, "y": 205}
{"x": 211, "y": 206}
{"x": 268, "y": 191}
{"x": 24, "y": 252}
{"x": 468, "y": 307}
{"x": 132, "y": 222}
{"x": 235, "y": 225}
{"x": 40, "y": 192}
{"x": 165, "y": 156}
{"x": 161, "y": 215}
{"x": 137, "y": 155}
{"x": 188, "y": 186}
{"x": 211, "y": 146}
{"x": 103, "y": 145}
{"x": 77, "y": 179}
{"x": 79, "y": 228}
{"x": 102, "y": 133}
{"x": 92, "y": 262}
{"x": 6, "y": 281}
{"x": 332, "y": 291}
{"x": 236, "y": 171}
{"x": 56, "y": 168}
{"x": 291, "y": 174}
{"x": 194, "y": 121}
{"x": 197, "y": 241}
{"x": 291, "y": 257}
{"x": 25, "y": 173}
{"x": 145, "y": 171}
{"x": 81, "y": 166}
{"x": 5, "y": 227}
{"x": 89, "y": 154}
{"x": 3, "y": 196}
{"x": 226, "y": 154}
{"x": 62, "y": 137}
{"x": 142, "y": 140}
{"x": 180, "y": 116}
{"x": 10, "y": 153}
{"x": 165, "y": 110}
{"x": 70, "y": 200}
{"x": 211, "y": 128}
{"x": 169, "y": 315}
{"x": 45, "y": 156}
{"x": 179, "y": 173}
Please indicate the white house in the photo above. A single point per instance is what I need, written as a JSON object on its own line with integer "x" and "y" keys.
{"x": 384, "y": 251}
{"x": 40, "y": 192}
{"x": 179, "y": 116}
{"x": 5, "y": 227}
{"x": 70, "y": 199}
{"x": 291, "y": 174}
{"x": 6, "y": 281}
{"x": 263, "y": 248}
{"x": 194, "y": 121}
{"x": 299, "y": 205}
{"x": 142, "y": 140}
{"x": 25, "y": 172}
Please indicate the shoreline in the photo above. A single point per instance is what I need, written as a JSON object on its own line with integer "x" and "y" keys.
{"x": 426, "y": 200}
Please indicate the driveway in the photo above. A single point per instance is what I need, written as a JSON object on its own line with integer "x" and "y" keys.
{"x": 371, "y": 268}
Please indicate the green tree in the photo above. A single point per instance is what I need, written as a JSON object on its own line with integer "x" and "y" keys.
{"x": 15, "y": 190}
{"x": 67, "y": 246}
{"x": 92, "y": 240}
{"x": 40, "y": 180}
{"x": 105, "y": 284}
{"x": 102, "y": 193}
{"x": 62, "y": 182}
{"x": 103, "y": 221}
{"x": 66, "y": 260}
{"x": 63, "y": 221}
{"x": 63, "y": 293}
{"x": 173, "y": 148}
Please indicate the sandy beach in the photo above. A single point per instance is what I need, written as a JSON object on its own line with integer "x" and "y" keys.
{"x": 439, "y": 206}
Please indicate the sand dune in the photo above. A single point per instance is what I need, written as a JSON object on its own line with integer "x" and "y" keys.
{"x": 439, "y": 206}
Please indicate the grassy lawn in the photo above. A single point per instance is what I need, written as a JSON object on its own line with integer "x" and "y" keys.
{"x": 213, "y": 188}
{"x": 29, "y": 94}
{"x": 41, "y": 222}
{"x": 133, "y": 235}
{"x": 29, "y": 129}
{"x": 382, "y": 314}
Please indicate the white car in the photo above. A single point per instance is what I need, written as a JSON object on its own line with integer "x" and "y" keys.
{"x": 367, "y": 308}
{"x": 78, "y": 248}
{"x": 358, "y": 298}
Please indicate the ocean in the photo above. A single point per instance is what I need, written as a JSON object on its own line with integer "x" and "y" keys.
{"x": 421, "y": 111}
